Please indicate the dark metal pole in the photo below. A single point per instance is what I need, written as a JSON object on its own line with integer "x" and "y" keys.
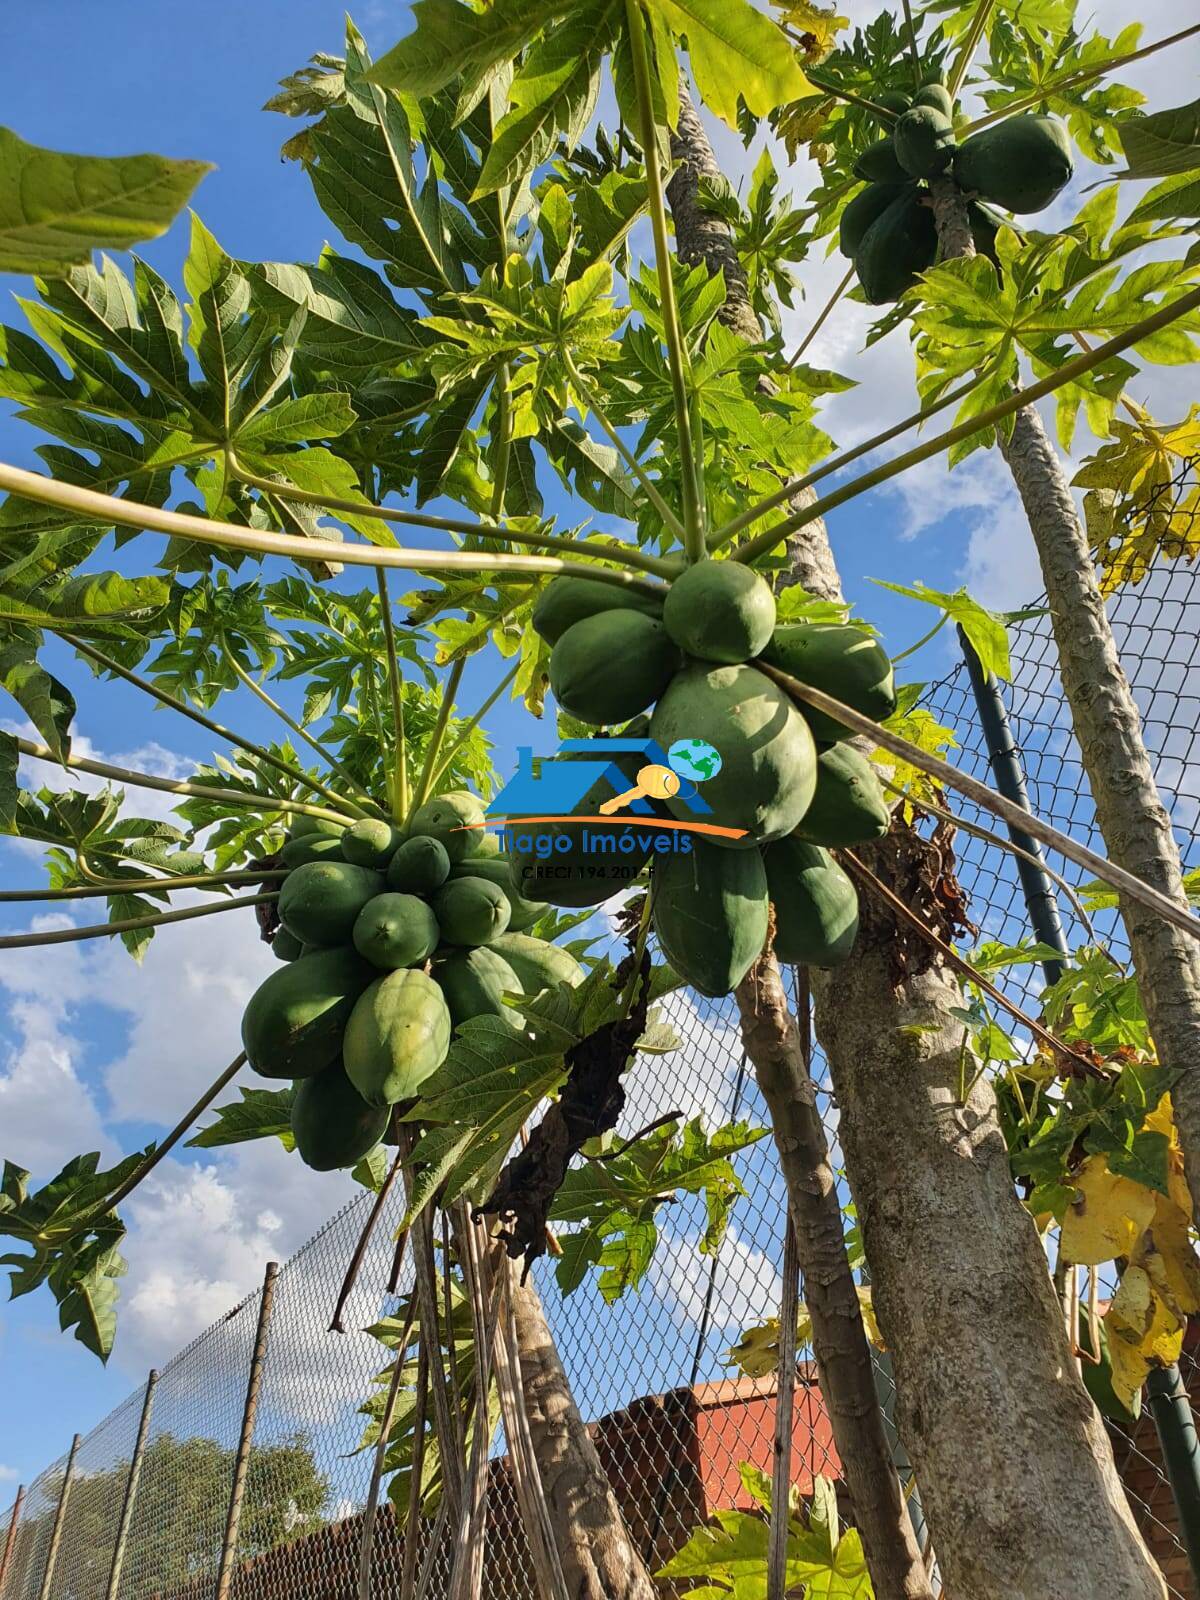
{"x": 1036, "y": 885}
{"x": 59, "y": 1517}
{"x": 242, "y": 1458}
{"x": 11, "y": 1537}
{"x": 1172, "y": 1410}
{"x": 131, "y": 1489}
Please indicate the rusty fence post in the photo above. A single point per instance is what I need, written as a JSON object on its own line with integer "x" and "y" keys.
{"x": 11, "y": 1537}
{"x": 242, "y": 1459}
{"x": 60, "y": 1514}
{"x": 131, "y": 1489}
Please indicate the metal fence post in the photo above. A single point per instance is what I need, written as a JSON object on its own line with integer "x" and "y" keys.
{"x": 60, "y": 1513}
{"x": 131, "y": 1489}
{"x": 11, "y": 1537}
{"x": 242, "y": 1458}
{"x": 1176, "y": 1427}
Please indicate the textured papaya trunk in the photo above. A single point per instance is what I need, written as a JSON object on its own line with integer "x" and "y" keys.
{"x": 1015, "y": 1469}
{"x": 597, "y": 1556}
{"x": 772, "y": 1042}
{"x": 1132, "y": 819}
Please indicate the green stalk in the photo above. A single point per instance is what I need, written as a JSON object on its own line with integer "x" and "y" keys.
{"x": 166, "y": 699}
{"x": 503, "y": 441}
{"x": 399, "y": 785}
{"x": 974, "y": 33}
{"x": 101, "y": 930}
{"x": 844, "y": 94}
{"x": 693, "y": 492}
{"x": 473, "y": 722}
{"x": 924, "y": 639}
{"x": 1067, "y": 373}
{"x": 113, "y": 886}
{"x": 912, "y": 46}
{"x": 826, "y": 309}
{"x": 199, "y": 791}
{"x": 108, "y": 509}
{"x": 425, "y": 782}
{"x": 301, "y": 732}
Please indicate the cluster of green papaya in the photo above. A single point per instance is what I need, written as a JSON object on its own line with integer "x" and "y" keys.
{"x": 787, "y": 785}
{"x": 888, "y": 229}
{"x": 392, "y": 937}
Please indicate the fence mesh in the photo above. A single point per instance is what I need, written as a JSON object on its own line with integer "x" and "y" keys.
{"x": 672, "y": 1422}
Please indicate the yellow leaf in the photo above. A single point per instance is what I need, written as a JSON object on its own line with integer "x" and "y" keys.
{"x": 1142, "y": 1329}
{"x": 1139, "y": 506}
{"x": 757, "y": 1351}
{"x": 818, "y": 28}
{"x": 1107, "y": 1216}
{"x": 1165, "y": 1251}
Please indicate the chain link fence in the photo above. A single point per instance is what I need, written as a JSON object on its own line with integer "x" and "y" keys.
{"x": 672, "y": 1421}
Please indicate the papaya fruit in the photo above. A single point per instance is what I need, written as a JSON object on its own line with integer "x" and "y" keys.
{"x": 332, "y": 1124}
{"x": 924, "y": 141}
{"x": 867, "y": 205}
{"x": 719, "y": 611}
{"x": 474, "y": 983}
{"x": 285, "y": 946}
{"x": 568, "y": 600}
{"x": 816, "y": 905}
{"x": 419, "y": 866}
{"x": 523, "y": 913}
{"x": 371, "y": 842}
{"x": 537, "y": 963}
{"x": 575, "y": 864}
{"x": 303, "y": 827}
{"x": 311, "y": 847}
{"x": 848, "y": 806}
{"x": 936, "y": 95}
{"x": 452, "y": 819}
{"x": 396, "y": 930}
{"x": 768, "y": 759}
{"x": 483, "y": 845}
{"x": 1019, "y": 164}
{"x": 897, "y": 247}
{"x": 320, "y": 900}
{"x": 985, "y": 225}
{"x": 292, "y": 1025}
{"x": 879, "y": 163}
{"x": 607, "y": 668}
{"x": 471, "y": 910}
{"x": 710, "y": 914}
{"x": 844, "y": 661}
{"x": 893, "y": 100}
{"x": 397, "y": 1036}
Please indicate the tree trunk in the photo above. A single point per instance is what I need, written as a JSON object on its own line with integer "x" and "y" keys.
{"x": 1014, "y": 1466}
{"x": 772, "y": 1042}
{"x": 1132, "y": 819}
{"x": 598, "y": 1558}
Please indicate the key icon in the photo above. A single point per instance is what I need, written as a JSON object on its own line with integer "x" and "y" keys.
{"x": 654, "y": 782}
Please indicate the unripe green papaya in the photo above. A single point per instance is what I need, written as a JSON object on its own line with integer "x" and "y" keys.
{"x": 844, "y": 661}
{"x": 292, "y": 1026}
{"x": 936, "y": 95}
{"x": 311, "y": 847}
{"x": 396, "y": 930}
{"x": 452, "y": 818}
{"x": 498, "y": 869}
{"x": 474, "y": 983}
{"x": 897, "y": 248}
{"x": 397, "y": 1036}
{"x": 419, "y": 866}
{"x": 710, "y": 914}
{"x": 609, "y": 667}
{"x": 924, "y": 141}
{"x": 483, "y": 846}
{"x": 879, "y": 163}
{"x": 816, "y": 906}
{"x": 320, "y": 900}
{"x": 848, "y": 806}
{"x": 1020, "y": 164}
{"x": 719, "y": 611}
{"x": 985, "y": 225}
{"x": 768, "y": 760}
{"x": 371, "y": 842}
{"x": 303, "y": 826}
{"x": 868, "y": 204}
{"x": 471, "y": 910}
{"x": 332, "y": 1124}
{"x": 537, "y": 963}
{"x": 285, "y": 946}
{"x": 568, "y": 600}
{"x": 893, "y": 100}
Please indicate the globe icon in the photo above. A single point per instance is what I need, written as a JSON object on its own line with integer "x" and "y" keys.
{"x": 694, "y": 759}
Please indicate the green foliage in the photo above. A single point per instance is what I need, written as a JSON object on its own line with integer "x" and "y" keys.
{"x": 260, "y": 1114}
{"x": 985, "y": 629}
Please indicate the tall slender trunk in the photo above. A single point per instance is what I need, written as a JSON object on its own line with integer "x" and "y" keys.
{"x": 1132, "y": 819}
{"x": 599, "y": 1560}
{"x": 1015, "y": 1469}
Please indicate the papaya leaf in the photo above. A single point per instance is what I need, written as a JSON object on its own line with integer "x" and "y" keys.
{"x": 736, "y": 52}
{"x": 451, "y": 40}
{"x": 1162, "y": 144}
{"x": 985, "y": 629}
{"x": 353, "y": 321}
{"x": 261, "y": 1114}
{"x": 48, "y": 704}
{"x": 83, "y": 203}
{"x": 10, "y": 758}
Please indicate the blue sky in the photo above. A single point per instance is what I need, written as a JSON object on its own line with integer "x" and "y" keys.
{"x": 100, "y": 1050}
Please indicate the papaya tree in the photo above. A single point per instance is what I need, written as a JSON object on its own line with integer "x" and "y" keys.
{"x": 506, "y": 331}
